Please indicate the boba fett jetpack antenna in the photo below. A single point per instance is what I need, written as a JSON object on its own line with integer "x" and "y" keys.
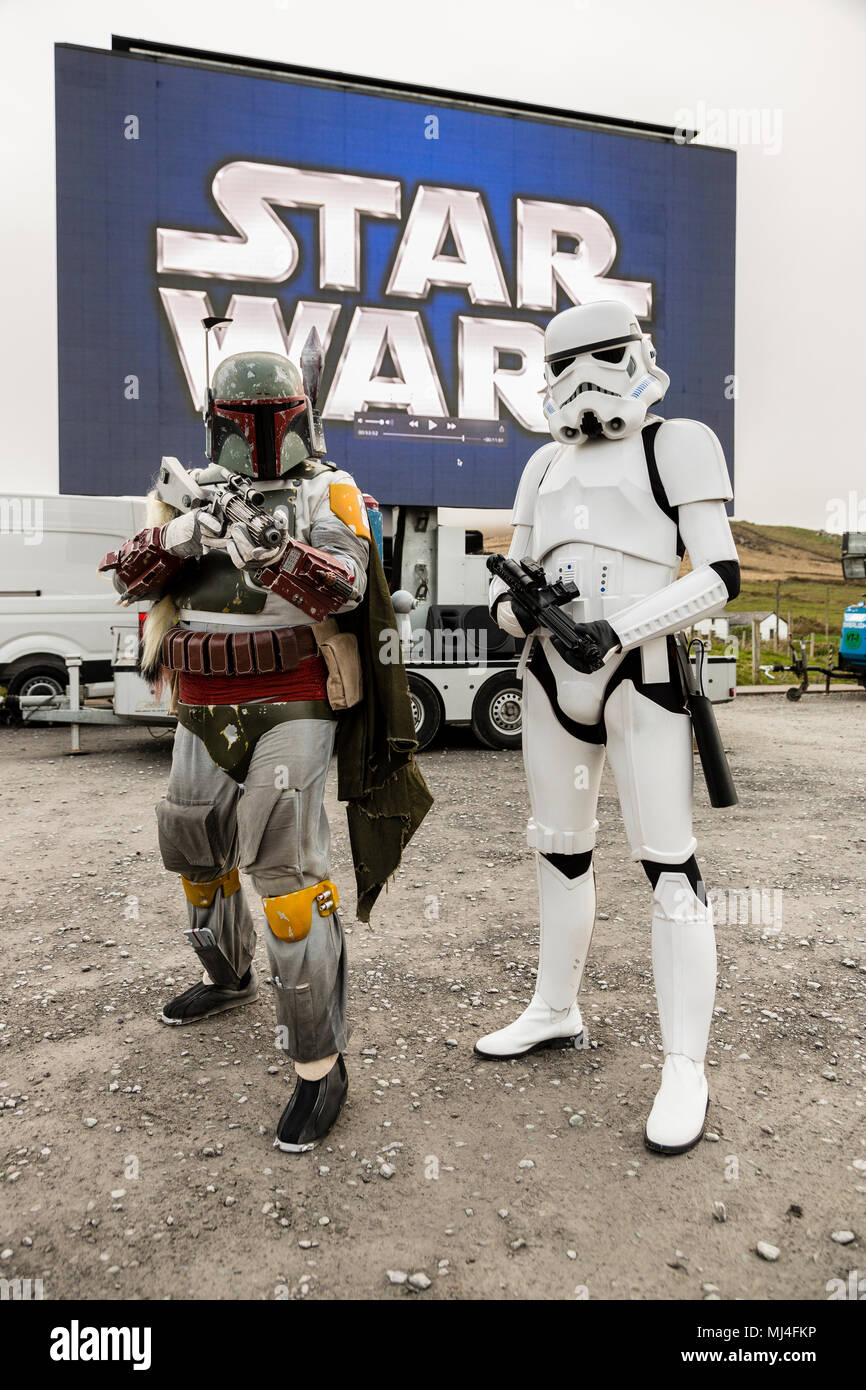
{"x": 312, "y": 366}
{"x": 207, "y": 325}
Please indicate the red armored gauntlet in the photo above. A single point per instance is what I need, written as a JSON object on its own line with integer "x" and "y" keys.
{"x": 312, "y": 580}
{"x": 141, "y": 564}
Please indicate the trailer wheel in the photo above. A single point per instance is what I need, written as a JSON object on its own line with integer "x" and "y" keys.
{"x": 794, "y": 692}
{"x": 497, "y": 711}
{"x": 40, "y": 677}
{"x": 426, "y": 710}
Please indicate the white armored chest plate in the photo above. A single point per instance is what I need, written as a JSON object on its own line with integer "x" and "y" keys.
{"x": 600, "y": 495}
{"x": 597, "y": 523}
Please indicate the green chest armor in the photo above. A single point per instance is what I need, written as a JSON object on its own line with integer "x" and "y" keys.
{"x": 214, "y": 585}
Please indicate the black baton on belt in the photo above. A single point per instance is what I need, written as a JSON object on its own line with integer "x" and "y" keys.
{"x": 717, "y": 772}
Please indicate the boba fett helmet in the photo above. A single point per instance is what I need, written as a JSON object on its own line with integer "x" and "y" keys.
{"x": 259, "y": 420}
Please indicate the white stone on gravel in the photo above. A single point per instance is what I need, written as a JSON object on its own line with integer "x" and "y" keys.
{"x": 843, "y": 1237}
{"x": 767, "y": 1251}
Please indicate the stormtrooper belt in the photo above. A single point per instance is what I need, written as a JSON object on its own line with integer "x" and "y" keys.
{"x": 230, "y": 732}
{"x": 258, "y": 653}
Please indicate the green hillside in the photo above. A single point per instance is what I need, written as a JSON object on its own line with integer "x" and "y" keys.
{"x": 812, "y": 592}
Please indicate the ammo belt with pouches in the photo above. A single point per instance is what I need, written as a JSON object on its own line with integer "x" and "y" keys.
{"x": 237, "y": 653}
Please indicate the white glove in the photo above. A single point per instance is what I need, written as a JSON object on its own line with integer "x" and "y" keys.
{"x": 188, "y": 534}
{"x": 243, "y": 551}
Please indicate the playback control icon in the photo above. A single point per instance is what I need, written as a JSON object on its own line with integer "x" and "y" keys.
{"x": 437, "y": 428}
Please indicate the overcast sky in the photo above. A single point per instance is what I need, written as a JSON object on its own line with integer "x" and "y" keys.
{"x": 799, "y": 65}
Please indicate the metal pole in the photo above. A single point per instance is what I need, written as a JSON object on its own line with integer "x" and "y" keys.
{"x": 73, "y": 665}
{"x": 756, "y": 652}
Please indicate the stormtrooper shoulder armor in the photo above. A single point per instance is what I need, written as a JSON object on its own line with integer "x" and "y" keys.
{"x": 691, "y": 463}
{"x": 530, "y": 482}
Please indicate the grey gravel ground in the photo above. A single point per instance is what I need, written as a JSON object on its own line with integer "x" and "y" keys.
{"x": 136, "y": 1160}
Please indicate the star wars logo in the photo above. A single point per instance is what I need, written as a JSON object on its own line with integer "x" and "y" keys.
{"x": 380, "y": 354}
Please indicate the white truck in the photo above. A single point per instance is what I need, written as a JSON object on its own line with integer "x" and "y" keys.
{"x": 68, "y": 653}
{"x": 462, "y": 668}
{"x": 53, "y": 604}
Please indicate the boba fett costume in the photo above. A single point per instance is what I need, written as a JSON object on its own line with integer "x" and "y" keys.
{"x": 258, "y": 694}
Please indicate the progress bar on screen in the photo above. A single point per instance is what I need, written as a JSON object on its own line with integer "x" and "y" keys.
{"x": 444, "y": 429}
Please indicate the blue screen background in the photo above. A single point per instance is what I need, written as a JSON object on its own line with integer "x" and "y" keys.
{"x": 672, "y": 208}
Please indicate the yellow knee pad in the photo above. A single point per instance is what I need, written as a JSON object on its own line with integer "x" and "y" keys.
{"x": 290, "y": 917}
{"x": 203, "y": 894}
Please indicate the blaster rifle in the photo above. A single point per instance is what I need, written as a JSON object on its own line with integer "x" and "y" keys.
{"x": 527, "y": 583}
{"x": 228, "y": 497}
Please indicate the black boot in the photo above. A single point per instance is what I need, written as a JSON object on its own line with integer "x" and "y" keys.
{"x": 202, "y": 1000}
{"x": 312, "y": 1110}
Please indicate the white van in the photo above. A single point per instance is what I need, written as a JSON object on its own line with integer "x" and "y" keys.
{"x": 53, "y": 604}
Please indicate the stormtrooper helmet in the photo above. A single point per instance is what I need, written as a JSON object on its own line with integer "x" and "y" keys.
{"x": 601, "y": 373}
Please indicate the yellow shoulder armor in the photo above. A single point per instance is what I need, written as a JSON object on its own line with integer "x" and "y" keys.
{"x": 348, "y": 504}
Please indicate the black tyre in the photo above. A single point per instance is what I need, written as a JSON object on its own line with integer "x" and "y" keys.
{"x": 794, "y": 692}
{"x": 40, "y": 677}
{"x": 497, "y": 711}
{"x": 426, "y": 709}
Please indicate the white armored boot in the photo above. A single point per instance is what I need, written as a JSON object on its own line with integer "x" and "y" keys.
{"x": 684, "y": 966}
{"x": 567, "y": 908}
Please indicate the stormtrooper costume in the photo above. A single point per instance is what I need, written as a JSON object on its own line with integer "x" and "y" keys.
{"x": 612, "y": 503}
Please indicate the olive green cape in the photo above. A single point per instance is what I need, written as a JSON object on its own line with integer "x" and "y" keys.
{"x": 377, "y": 776}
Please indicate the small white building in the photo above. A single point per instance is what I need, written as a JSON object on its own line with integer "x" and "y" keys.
{"x": 713, "y": 627}
{"x": 766, "y": 620}
{"x": 768, "y": 628}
